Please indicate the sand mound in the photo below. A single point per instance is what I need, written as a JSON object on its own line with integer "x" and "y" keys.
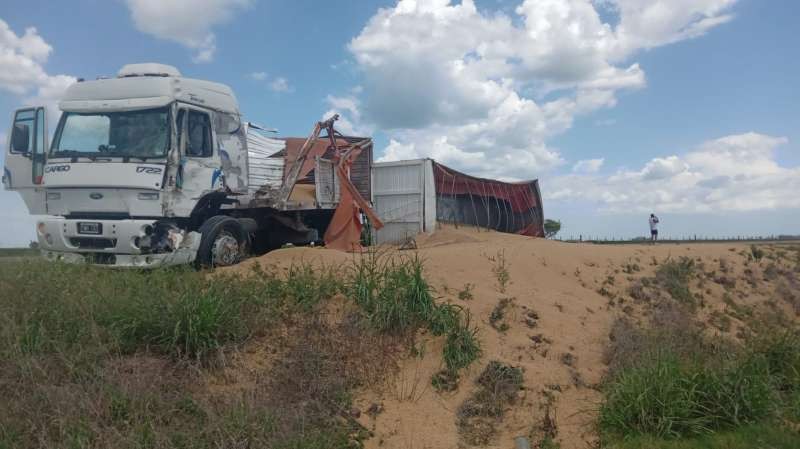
{"x": 448, "y": 235}
{"x": 561, "y": 300}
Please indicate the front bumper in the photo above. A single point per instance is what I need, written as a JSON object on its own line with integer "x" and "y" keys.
{"x": 116, "y": 243}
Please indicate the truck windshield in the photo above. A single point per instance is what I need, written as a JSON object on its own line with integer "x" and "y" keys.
{"x": 139, "y": 134}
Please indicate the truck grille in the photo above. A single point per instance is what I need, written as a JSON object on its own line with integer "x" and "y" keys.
{"x": 93, "y": 243}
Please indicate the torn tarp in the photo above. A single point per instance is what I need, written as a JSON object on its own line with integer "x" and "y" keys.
{"x": 514, "y": 207}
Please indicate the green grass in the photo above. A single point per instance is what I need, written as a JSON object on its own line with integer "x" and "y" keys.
{"x": 461, "y": 346}
{"x": 392, "y": 291}
{"x": 18, "y": 252}
{"x": 96, "y": 358}
{"x": 397, "y": 298}
{"x": 665, "y": 394}
{"x": 757, "y": 436}
{"x": 57, "y": 307}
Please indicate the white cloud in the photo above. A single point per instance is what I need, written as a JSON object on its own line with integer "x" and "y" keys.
{"x": 454, "y": 81}
{"x": 187, "y": 22}
{"x": 648, "y": 24}
{"x": 588, "y": 165}
{"x": 280, "y": 84}
{"x": 258, "y": 76}
{"x": 22, "y": 72}
{"x": 349, "y": 110}
{"x": 732, "y": 173}
{"x": 663, "y": 168}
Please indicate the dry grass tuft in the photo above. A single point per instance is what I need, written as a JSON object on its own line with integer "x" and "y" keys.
{"x": 478, "y": 416}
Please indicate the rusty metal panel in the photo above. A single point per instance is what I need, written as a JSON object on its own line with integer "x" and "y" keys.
{"x": 326, "y": 182}
{"x": 361, "y": 172}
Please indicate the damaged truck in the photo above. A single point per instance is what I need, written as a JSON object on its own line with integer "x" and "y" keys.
{"x": 150, "y": 169}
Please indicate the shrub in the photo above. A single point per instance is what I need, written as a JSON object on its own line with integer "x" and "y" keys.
{"x": 756, "y": 253}
{"x": 674, "y": 276}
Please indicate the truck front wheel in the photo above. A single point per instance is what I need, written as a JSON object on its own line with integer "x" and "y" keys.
{"x": 222, "y": 243}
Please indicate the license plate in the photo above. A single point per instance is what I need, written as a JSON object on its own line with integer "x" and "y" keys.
{"x": 90, "y": 228}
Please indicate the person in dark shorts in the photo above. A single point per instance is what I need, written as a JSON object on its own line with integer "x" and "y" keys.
{"x": 653, "y": 227}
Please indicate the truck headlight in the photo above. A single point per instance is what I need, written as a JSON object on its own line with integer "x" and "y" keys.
{"x": 148, "y": 196}
{"x": 53, "y": 196}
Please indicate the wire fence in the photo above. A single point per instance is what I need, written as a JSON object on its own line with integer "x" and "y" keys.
{"x": 681, "y": 239}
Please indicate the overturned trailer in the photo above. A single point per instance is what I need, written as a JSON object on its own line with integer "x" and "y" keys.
{"x": 412, "y": 196}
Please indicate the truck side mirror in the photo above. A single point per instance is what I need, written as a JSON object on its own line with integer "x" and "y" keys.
{"x": 20, "y": 138}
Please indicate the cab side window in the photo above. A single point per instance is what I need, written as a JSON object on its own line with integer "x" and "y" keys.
{"x": 198, "y": 134}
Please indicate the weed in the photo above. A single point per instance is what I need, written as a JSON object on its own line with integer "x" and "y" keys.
{"x": 638, "y": 291}
{"x": 548, "y": 443}
{"x": 497, "y": 317}
{"x": 568, "y": 359}
{"x": 445, "y": 380}
{"x": 444, "y": 318}
{"x": 461, "y": 346}
{"x": 498, "y": 386}
{"x": 674, "y": 276}
{"x": 756, "y": 253}
{"x": 739, "y": 311}
{"x": 500, "y": 270}
{"x": 720, "y": 321}
{"x": 466, "y": 293}
{"x": 603, "y": 291}
{"x": 771, "y": 272}
{"x": 631, "y": 268}
{"x": 788, "y": 290}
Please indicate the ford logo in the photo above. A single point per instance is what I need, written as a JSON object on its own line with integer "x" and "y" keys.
{"x": 95, "y": 195}
{"x": 56, "y": 168}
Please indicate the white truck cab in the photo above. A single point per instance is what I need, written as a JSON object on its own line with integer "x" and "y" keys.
{"x": 145, "y": 169}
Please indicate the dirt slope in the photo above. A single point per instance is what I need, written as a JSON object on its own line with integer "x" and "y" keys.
{"x": 564, "y": 300}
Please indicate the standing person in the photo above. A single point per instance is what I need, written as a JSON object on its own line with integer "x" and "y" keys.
{"x": 653, "y": 228}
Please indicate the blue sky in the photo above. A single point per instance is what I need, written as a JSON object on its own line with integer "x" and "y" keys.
{"x": 689, "y": 110}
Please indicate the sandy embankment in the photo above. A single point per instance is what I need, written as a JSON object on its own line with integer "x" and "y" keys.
{"x": 559, "y": 283}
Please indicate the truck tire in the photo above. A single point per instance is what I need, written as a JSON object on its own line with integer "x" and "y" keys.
{"x": 223, "y": 242}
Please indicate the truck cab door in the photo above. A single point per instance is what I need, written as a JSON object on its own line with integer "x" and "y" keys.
{"x": 199, "y": 170}
{"x": 26, "y": 154}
